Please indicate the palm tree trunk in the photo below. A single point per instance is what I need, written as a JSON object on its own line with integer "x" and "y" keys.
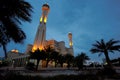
{"x": 37, "y": 64}
{"x": 61, "y": 64}
{"x": 5, "y": 51}
{"x": 108, "y": 59}
{"x": 47, "y": 63}
{"x": 55, "y": 64}
{"x": 68, "y": 66}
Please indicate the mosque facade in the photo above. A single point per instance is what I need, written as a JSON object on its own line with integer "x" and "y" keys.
{"x": 40, "y": 42}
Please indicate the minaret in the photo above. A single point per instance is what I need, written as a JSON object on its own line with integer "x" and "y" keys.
{"x": 70, "y": 49}
{"x": 70, "y": 39}
{"x": 40, "y": 38}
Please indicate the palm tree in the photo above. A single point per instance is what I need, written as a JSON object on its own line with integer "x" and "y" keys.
{"x": 69, "y": 59}
{"x": 49, "y": 50}
{"x": 54, "y": 56}
{"x": 38, "y": 55}
{"x": 80, "y": 59}
{"x": 3, "y": 40}
{"x": 61, "y": 59}
{"x": 106, "y": 47}
{"x": 12, "y": 13}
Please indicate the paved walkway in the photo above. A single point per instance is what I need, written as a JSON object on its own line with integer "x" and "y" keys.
{"x": 44, "y": 71}
{"x": 50, "y": 71}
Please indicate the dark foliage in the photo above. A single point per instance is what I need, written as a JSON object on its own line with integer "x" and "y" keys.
{"x": 69, "y": 59}
{"x": 80, "y": 59}
{"x": 12, "y": 13}
{"x": 30, "y": 66}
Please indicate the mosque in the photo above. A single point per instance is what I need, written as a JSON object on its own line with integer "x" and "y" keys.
{"x": 40, "y": 41}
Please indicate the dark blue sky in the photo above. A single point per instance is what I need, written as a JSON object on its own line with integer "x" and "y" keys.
{"x": 88, "y": 20}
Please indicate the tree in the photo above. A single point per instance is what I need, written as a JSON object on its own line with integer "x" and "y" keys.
{"x": 38, "y": 55}
{"x": 106, "y": 47}
{"x": 69, "y": 59}
{"x": 12, "y": 13}
{"x": 3, "y": 40}
{"x": 49, "y": 50}
{"x": 80, "y": 59}
{"x": 54, "y": 56}
{"x": 61, "y": 59}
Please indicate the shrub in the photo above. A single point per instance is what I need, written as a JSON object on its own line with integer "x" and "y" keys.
{"x": 30, "y": 66}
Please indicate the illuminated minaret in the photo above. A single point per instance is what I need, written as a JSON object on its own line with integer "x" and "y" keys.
{"x": 70, "y": 39}
{"x": 40, "y": 37}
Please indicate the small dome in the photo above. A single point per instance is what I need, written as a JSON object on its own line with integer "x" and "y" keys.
{"x": 69, "y": 33}
{"x": 46, "y": 5}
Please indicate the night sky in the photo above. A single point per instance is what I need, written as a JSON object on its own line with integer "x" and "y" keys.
{"x": 88, "y": 20}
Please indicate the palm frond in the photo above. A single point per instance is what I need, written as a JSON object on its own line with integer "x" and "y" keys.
{"x": 111, "y": 43}
{"x": 13, "y": 31}
{"x": 111, "y": 51}
{"x": 103, "y": 45}
{"x": 116, "y": 47}
{"x": 99, "y": 54}
{"x": 96, "y": 50}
